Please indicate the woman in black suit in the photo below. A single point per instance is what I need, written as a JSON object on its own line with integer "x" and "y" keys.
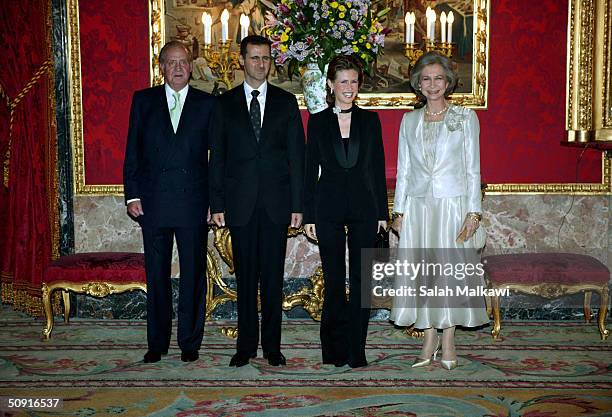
{"x": 345, "y": 188}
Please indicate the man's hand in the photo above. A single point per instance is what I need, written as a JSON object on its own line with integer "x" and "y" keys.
{"x": 296, "y": 220}
{"x": 311, "y": 231}
{"x": 219, "y": 219}
{"x": 134, "y": 209}
{"x": 382, "y": 224}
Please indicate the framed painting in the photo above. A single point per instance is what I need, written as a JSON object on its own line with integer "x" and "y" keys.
{"x": 388, "y": 84}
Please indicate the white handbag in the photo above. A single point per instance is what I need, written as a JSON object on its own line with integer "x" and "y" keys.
{"x": 479, "y": 239}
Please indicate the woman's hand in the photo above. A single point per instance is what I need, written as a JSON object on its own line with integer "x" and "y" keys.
{"x": 397, "y": 224}
{"x": 470, "y": 224}
{"x": 383, "y": 224}
{"x": 311, "y": 231}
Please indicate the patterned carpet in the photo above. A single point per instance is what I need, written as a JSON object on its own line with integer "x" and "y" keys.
{"x": 537, "y": 370}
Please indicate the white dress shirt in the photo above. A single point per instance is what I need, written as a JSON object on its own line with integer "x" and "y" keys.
{"x": 263, "y": 90}
{"x": 170, "y": 97}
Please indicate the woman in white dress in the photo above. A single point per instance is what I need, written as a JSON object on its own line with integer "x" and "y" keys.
{"x": 437, "y": 199}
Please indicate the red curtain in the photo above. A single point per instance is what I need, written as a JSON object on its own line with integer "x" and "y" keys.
{"x": 28, "y": 209}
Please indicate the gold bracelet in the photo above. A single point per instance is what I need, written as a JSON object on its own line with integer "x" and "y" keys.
{"x": 477, "y": 217}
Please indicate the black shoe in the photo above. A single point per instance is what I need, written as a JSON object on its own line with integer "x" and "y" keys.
{"x": 337, "y": 363}
{"x": 241, "y": 359}
{"x": 190, "y": 356}
{"x": 275, "y": 358}
{"x": 152, "y": 357}
{"x": 358, "y": 364}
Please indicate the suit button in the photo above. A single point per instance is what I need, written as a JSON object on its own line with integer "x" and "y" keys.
{"x": 184, "y": 190}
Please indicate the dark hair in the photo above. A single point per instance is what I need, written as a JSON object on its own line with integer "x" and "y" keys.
{"x": 172, "y": 45}
{"x": 342, "y": 63}
{"x": 431, "y": 58}
{"x": 253, "y": 40}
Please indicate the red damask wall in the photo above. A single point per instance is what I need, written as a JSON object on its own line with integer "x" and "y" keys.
{"x": 520, "y": 130}
{"x": 114, "y": 63}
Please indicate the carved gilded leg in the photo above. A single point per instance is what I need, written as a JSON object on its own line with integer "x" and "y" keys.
{"x": 603, "y": 311}
{"x": 496, "y": 318}
{"x": 66, "y": 298}
{"x": 587, "y": 307}
{"x": 46, "y": 299}
{"x": 488, "y": 305}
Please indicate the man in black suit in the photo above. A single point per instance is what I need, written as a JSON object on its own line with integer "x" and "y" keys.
{"x": 256, "y": 186}
{"x": 165, "y": 175}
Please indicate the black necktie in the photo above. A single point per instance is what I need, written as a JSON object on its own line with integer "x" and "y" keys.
{"x": 255, "y": 112}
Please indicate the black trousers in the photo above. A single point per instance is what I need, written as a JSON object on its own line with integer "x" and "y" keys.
{"x": 344, "y": 324}
{"x": 259, "y": 259}
{"x": 191, "y": 244}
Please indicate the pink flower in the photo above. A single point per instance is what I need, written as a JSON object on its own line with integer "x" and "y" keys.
{"x": 271, "y": 20}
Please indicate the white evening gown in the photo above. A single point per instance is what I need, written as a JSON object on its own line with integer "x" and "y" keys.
{"x": 434, "y": 222}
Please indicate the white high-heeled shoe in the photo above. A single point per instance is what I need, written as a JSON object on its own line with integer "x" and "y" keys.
{"x": 449, "y": 365}
{"x": 419, "y": 362}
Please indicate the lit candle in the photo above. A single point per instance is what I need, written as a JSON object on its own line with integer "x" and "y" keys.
{"x": 450, "y": 19}
{"x": 443, "y": 27}
{"x": 412, "y": 24}
{"x": 433, "y": 25}
{"x": 407, "y": 28}
{"x": 430, "y": 14}
{"x": 244, "y": 26}
{"x": 207, "y": 21}
{"x": 428, "y": 17}
{"x": 224, "y": 26}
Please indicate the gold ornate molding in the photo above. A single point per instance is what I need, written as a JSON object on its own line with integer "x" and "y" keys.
{"x": 156, "y": 36}
{"x": 76, "y": 107}
{"x": 602, "y": 188}
{"x": 589, "y": 93}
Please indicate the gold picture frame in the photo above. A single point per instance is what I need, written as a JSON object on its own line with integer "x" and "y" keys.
{"x": 178, "y": 20}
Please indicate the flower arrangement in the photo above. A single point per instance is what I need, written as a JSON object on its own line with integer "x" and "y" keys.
{"x": 314, "y": 31}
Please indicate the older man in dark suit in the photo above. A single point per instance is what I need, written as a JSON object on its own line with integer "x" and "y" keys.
{"x": 165, "y": 176}
{"x": 256, "y": 183}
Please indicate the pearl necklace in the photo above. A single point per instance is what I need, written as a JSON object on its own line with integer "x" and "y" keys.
{"x": 437, "y": 113}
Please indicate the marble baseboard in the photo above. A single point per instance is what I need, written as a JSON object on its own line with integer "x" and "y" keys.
{"x": 132, "y": 305}
{"x": 515, "y": 223}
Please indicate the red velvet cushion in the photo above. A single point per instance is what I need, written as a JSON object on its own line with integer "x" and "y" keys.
{"x": 99, "y": 266}
{"x": 531, "y": 268}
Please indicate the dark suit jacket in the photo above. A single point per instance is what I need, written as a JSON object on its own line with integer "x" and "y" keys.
{"x": 245, "y": 172}
{"x": 351, "y": 187}
{"x": 168, "y": 171}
